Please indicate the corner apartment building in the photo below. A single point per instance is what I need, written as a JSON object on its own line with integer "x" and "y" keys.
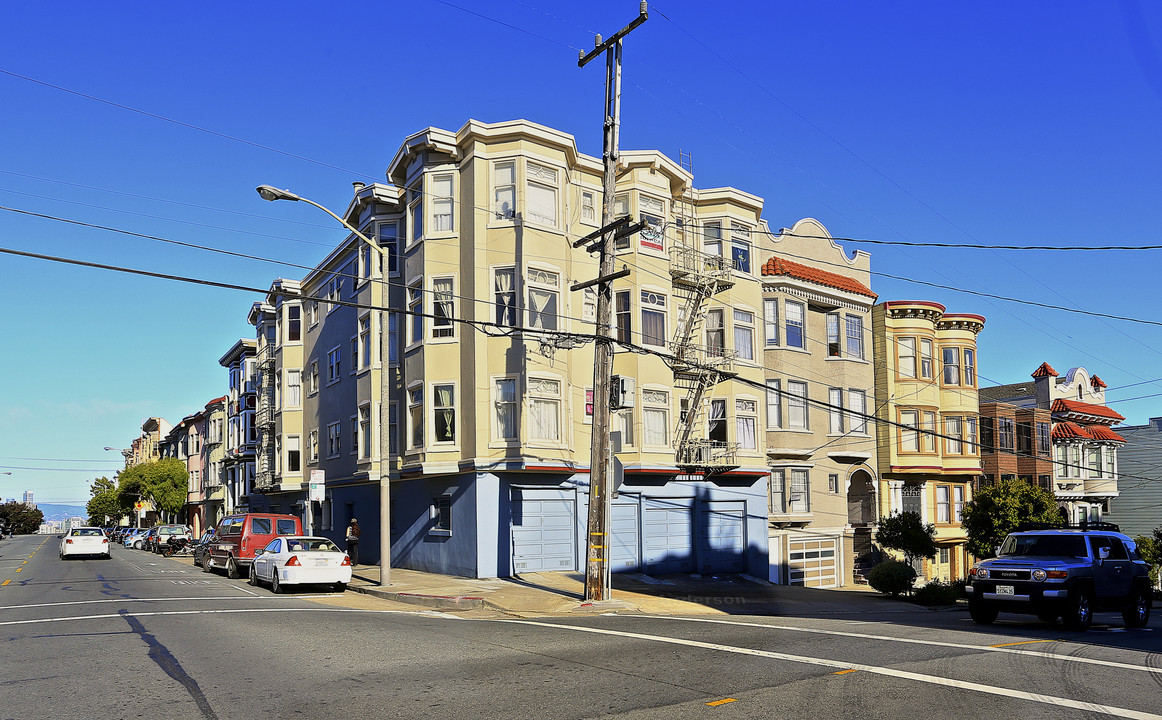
{"x": 489, "y": 366}
{"x": 927, "y": 429}
{"x": 1083, "y": 472}
{"x": 1138, "y": 507}
{"x": 240, "y": 437}
{"x": 819, "y": 375}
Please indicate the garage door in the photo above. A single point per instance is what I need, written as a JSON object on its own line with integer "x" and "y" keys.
{"x": 722, "y": 538}
{"x": 667, "y": 533}
{"x": 626, "y": 555}
{"x": 812, "y": 562}
{"x": 544, "y": 527}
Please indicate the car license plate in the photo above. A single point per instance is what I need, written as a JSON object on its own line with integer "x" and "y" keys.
{"x": 321, "y": 562}
{"x": 1004, "y": 589}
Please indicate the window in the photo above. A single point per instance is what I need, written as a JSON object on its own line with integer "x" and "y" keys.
{"x": 857, "y": 411}
{"x": 740, "y": 248}
{"x": 365, "y": 341}
{"x": 544, "y": 409}
{"x": 393, "y": 429}
{"x": 333, "y": 365}
{"x": 416, "y": 416}
{"x": 969, "y": 367}
{"x": 443, "y": 308}
{"x": 1004, "y": 435}
{"x": 746, "y": 424}
{"x": 771, "y": 321}
{"x": 416, "y": 212}
{"x": 364, "y": 441}
{"x": 778, "y": 492}
{"x": 589, "y": 304}
{"x": 294, "y": 323}
{"x": 833, "y": 335}
{"x": 774, "y": 405}
{"x": 712, "y": 240}
{"x": 389, "y": 244}
{"x": 313, "y": 378}
{"x": 365, "y": 267}
{"x": 925, "y": 358}
{"x": 620, "y": 209}
{"x": 541, "y": 205}
{"x": 588, "y": 207}
{"x": 504, "y": 400}
{"x": 797, "y": 405}
{"x": 655, "y": 417}
{"x": 294, "y": 388}
{"x": 312, "y": 313}
{"x": 928, "y": 432}
{"x": 355, "y": 435}
{"x": 909, "y": 433}
{"x": 835, "y": 410}
{"x": 1043, "y": 441}
{"x": 1093, "y": 454}
{"x": 334, "y": 439}
{"x": 943, "y": 503}
{"x": 954, "y": 436}
{"x": 313, "y": 446}
{"x": 622, "y": 422}
{"x": 833, "y": 483}
{"x": 441, "y": 202}
{"x": 416, "y": 310}
{"x": 957, "y": 502}
{"x": 588, "y": 406}
{"x": 504, "y": 190}
{"x": 853, "y": 324}
{"x": 334, "y": 292}
{"x": 793, "y": 330}
{"x": 716, "y": 429}
{"x": 653, "y": 213}
{"x": 444, "y": 402}
{"x": 951, "y": 359}
{"x": 653, "y": 318}
{"x": 800, "y": 500}
{"x": 744, "y": 334}
{"x": 504, "y": 296}
{"x": 623, "y": 316}
{"x": 906, "y": 357}
{"x": 1110, "y": 456}
{"x": 543, "y": 297}
{"x": 442, "y": 515}
{"x": 715, "y": 333}
{"x": 393, "y": 338}
{"x": 987, "y": 438}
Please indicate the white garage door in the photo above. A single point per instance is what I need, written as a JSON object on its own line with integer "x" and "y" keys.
{"x": 812, "y": 562}
{"x": 544, "y": 528}
{"x": 722, "y": 538}
{"x": 668, "y": 531}
{"x": 625, "y": 555}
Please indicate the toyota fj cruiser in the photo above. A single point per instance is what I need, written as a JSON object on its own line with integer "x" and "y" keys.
{"x": 1067, "y": 573}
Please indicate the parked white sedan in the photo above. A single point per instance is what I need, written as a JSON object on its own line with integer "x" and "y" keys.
{"x": 85, "y": 541}
{"x": 301, "y": 560}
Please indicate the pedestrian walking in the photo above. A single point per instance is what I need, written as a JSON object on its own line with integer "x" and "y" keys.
{"x": 353, "y": 533}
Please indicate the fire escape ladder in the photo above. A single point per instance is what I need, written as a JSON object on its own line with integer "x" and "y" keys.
{"x": 264, "y": 419}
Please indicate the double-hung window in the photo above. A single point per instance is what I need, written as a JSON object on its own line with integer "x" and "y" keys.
{"x": 1094, "y": 456}
{"x": 393, "y": 429}
{"x": 715, "y": 333}
{"x": 833, "y": 335}
{"x": 441, "y": 202}
{"x": 620, "y": 209}
{"x": 623, "y": 316}
{"x": 389, "y": 245}
{"x": 444, "y": 404}
{"x": 294, "y": 323}
{"x": 653, "y": 318}
{"x": 544, "y": 409}
{"x": 313, "y": 378}
{"x": 857, "y": 411}
{"x": 364, "y": 431}
{"x": 800, "y": 495}
{"x": 293, "y": 454}
{"x": 653, "y": 213}
{"x": 416, "y": 212}
{"x": 943, "y": 503}
{"x": 655, "y": 417}
{"x": 774, "y": 405}
{"x": 333, "y": 366}
{"x": 853, "y": 325}
{"x": 797, "y": 405}
{"x": 504, "y": 296}
{"x": 334, "y": 439}
{"x": 712, "y": 241}
{"x": 313, "y": 446}
{"x": 744, "y": 334}
{"x": 1004, "y": 434}
{"x": 835, "y": 410}
{"x": 541, "y": 200}
{"x": 294, "y": 388}
{"x": 365, "y": 342}
{"x": 906, "y": 357}
{"x": 443, "y": 308}
{"x": 951, "y": 360}
{"x": 504, "y": 190}
{"x": 544, "y": 294}
{"x": 926, "y": 358}
{"x": 740, "y": 247}
{"x": 909, "y": 434}
{"x": 954, "y": 436}
{"x": 504, "y": 400}
{"x": 793, "y": 327}
{"x": 928, "y": 432}
{"x": 588, "y": 206}
{"x": 746, "y": 424}
{"x": 416, "y": 416}
{"x": 969, "y": 367}
{"x": 416, "y": 313}
{"x": 771, "y": 321}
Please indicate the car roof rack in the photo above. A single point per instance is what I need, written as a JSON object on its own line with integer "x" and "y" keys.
{"x": 1085, "y": 525}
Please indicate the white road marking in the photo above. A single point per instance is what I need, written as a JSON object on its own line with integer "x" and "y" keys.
{"x": 912, "y": 641}
{"x": 157, "y": 599}
{"x": 888, "y": 672}
{"x": 42, "y": 621}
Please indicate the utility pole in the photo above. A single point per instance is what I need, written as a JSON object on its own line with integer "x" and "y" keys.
{"x": 598, "y": 541}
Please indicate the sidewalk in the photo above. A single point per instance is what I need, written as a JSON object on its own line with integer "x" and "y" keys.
{"x": 563, "y": 592}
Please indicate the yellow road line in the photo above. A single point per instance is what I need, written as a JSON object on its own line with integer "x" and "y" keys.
{"x": 844, "y": 672}
{"x": 723, "y": 701}
{"x": 19, "y": 569}
{"x": 5, "y": 582}
{"x": 1026, "y": 642}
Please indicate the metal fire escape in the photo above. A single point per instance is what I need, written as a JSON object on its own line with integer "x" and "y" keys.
{"x": 696, "y": 277}
{"x": 264, "y": 418}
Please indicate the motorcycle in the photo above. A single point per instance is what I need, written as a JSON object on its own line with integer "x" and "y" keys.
{"x": 178, "y": 546}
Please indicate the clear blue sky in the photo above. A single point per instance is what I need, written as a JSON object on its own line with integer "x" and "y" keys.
{"x": 1006, "y": 123}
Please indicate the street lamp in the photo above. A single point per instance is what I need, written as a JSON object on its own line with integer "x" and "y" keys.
{"x": 269, "y": 192}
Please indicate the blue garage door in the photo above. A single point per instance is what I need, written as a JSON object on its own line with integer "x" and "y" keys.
{"x": 722, "y": 538}
{"x": 626, "y": 555}
{"x": 544, "y": 527}
{"x": 667, "y": 535}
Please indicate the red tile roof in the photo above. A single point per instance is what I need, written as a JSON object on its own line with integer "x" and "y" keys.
{"x": 1046, "y": 370}
{"x": 1077, "y": 407}
{"x": 1101, "y": 432}
{"x": 1069, "y": 431}
{"x": 1097, "y": 382}
{"x": 779, "y": 266}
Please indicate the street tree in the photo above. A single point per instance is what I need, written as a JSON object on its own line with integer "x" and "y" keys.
{"x": 908, "y": 534}
{"x": 1150, "y": 548}
{"x": 997, "y": 510}
{"x": 164, "y": 482}
{"x": 20, "y": 518}
{"x": 103, "y": 506}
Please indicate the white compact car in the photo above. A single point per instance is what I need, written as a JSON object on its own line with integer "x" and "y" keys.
{"x": 301, "y": 560}
{"x": 85, "y": 541}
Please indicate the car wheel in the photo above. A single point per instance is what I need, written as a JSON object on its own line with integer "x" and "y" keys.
{"x": 1079, "y": 615}
{"x": 982, "y": 613}
{"x": 1137, "y": 613}
{"x": 232, "y": 569}
{"x": 340, "y": 587}
{"x": 275, "y": 586}
{"x": 253, "y": 577}
{"x": 207, "y": 564}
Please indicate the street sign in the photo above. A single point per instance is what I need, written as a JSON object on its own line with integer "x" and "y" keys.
{"x": 318, "y": 486}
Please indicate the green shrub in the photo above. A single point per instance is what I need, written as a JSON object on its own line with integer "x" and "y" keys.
{"x": 892, "y": 577}
{"x": 937, "y": 593}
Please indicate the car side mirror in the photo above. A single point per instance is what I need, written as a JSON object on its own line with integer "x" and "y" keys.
{"x": 1103, "y": 553}
{"x": 258, "y": 552}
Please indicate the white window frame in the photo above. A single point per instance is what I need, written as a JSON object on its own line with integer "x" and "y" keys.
{"x": 656, "y": 407}
{"x": 789, "y": 323}
{"x": 537, "y": 280}
{"x": 365, "y": 440}
{"x": 744, "y": 343}
{"x": 542, "y": 398}
{"x": 442, "y": 207}
{"x": 388, "y": 235}
{"x": 797, "y": 401}
{"x": 857, "y": 411}
{"x": 835, "y": 410}
{"x": 746, "y": 423}
{"x": 334, "y": 365}
{"x": 443, "y": 308}
{"x": 653, "y": 307}
{"x": 853, "y": 337}
{"x": 294, "y": 388}
{"x": 334, "y": 439}
{"x": 365, "y": 355}
{"x": 504, "y": 190}
{"x": 500, "y": 405}
{"x": 771, "y": 322}
{"x": 437, "y": 408}
{"x": 541, "y": 178}
{"x": 774, "y": 405}
{"x": 415, "y": 397}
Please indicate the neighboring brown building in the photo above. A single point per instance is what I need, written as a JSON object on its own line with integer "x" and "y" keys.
{"x": 1015, "y": 443}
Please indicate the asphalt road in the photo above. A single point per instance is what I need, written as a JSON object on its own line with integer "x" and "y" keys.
{"x": 141, "y": 636}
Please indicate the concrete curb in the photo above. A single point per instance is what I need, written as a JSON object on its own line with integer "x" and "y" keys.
{"x": 437, "y": 602}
